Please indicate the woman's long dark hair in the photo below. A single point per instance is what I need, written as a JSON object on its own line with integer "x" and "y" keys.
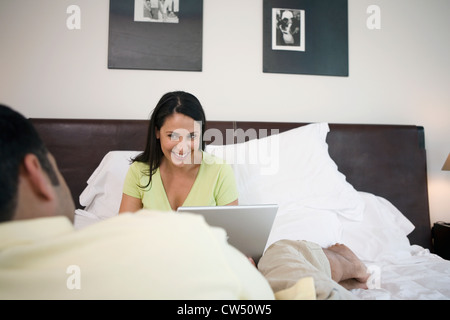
{"x": 170, "y": 103}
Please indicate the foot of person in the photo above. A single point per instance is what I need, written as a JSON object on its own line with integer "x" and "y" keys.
{"x": 358, "y": 270}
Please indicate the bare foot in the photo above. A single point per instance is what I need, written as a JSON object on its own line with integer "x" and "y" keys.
{"x": 344, "y": 251}
{"x": 353, "y": 268}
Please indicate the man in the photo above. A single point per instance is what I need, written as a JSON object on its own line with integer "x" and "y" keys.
{"x": 148, "y": 255}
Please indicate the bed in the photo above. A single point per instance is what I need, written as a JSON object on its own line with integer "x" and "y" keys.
{"x": 358, "y": 184}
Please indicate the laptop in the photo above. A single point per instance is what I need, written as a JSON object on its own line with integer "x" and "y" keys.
{"x": 248, "y": 226}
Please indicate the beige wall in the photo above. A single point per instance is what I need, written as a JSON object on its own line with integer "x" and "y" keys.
{"x": 399, "y": 74}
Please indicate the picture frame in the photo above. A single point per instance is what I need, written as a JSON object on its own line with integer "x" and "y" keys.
{"x": 306, "y": 37}
{"x": 155, "y": 35}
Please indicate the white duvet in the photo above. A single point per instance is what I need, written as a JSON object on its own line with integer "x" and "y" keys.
{"x": 422, "y": 276}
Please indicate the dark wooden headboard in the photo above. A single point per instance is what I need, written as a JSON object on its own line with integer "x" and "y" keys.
{"x": 386, "y": 160}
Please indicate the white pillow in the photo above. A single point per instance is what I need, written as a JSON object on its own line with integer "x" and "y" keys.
{"x": 292, "y": 169}
{"x": 103, "y": 194}
{"x": 381, "y": 235}
{"x": 83, "y": 219}
{"x": 319, "y": 226}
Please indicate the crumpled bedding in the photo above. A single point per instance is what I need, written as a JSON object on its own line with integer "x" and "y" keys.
{"x": 422, "y": 276}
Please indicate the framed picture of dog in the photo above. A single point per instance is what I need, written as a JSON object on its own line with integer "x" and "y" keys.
{"x": 306, "y": 37}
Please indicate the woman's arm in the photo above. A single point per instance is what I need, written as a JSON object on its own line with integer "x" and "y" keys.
{"x": 130, "y": 204}
{"x": 234, "y": 203}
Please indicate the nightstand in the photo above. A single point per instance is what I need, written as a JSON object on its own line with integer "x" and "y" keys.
{"x": 441, "y": 239}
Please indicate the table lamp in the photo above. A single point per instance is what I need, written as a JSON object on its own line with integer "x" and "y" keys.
{"x": 446, "y": 166}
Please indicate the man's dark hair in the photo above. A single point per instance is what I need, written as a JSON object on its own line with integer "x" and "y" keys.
{"x": 18, "y": 138}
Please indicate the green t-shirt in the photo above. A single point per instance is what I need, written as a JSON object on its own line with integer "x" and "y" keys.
{"x": 215, "y": 185}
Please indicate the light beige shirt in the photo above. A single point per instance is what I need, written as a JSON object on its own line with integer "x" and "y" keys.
{"x": 147, "y": 255}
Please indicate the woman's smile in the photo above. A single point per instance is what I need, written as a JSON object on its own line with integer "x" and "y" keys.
{"x": 176, "y": 156}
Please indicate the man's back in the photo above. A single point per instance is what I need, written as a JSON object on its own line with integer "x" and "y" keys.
{"x": 147, "y": 255}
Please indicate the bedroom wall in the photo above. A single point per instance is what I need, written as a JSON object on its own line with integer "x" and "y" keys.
{"x": 399, "y": 74}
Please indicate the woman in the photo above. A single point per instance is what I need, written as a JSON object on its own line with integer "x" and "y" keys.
{"x": 173, "y": 170}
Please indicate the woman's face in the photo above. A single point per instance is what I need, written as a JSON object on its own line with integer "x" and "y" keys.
{"x": 180, "y": 140}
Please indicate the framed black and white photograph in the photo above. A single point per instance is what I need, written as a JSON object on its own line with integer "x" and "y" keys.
{"x": 306, "y": 37}
{"x": 156, "y": 11}
{"x": 156, "y": 35}
{"x": 288, "y": 29}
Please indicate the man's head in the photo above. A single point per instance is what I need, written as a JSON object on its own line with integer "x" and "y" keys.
{"x": 31, "y": 185}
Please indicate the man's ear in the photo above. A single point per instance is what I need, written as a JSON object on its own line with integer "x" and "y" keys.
{"x": 37, "y": 177}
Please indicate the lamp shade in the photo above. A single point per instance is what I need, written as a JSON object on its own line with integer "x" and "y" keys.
{"x": 446, "y": 166}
